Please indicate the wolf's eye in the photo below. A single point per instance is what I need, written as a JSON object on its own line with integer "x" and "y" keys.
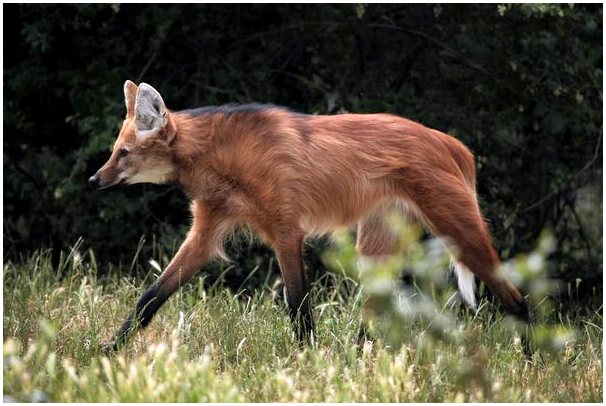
{"x": 123, "y": 152}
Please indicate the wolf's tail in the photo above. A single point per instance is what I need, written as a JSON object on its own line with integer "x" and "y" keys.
{"x": 466, "y": 282}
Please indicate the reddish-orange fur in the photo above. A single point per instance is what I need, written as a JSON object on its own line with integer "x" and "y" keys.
{"x": 287, "y": 175}
{"x": 290, "y": 176}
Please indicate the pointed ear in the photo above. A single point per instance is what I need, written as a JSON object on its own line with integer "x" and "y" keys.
{"x": 130, "y": 94}
{"x": 150, "y": 111}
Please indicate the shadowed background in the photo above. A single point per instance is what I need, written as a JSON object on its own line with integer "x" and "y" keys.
{"x": 521, "y": 85}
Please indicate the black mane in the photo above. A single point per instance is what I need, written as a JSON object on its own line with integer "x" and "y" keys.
{"x": 230, "y": 109}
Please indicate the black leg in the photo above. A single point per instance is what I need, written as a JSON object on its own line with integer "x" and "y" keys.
{"x": 523, "y": 313}
{"x": 290, "y": 257}
{"x": 146, "y": 307}
{"x": 301, "y": 317}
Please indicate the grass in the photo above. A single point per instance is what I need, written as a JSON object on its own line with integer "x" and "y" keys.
{"x": 210, "y": 344}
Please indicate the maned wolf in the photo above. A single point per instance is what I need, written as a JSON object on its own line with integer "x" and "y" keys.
{"x": 290, "y": 176}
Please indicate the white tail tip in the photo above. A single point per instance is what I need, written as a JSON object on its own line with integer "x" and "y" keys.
{"x": 466, "y": 282}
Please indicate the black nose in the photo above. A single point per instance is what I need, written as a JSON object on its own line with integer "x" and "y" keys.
{"x": 94, "y": 181}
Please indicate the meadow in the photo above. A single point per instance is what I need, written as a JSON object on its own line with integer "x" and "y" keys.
{"x": 212, "y": 344}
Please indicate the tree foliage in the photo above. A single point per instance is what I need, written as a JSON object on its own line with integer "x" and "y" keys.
{"x": 519, "y": 84}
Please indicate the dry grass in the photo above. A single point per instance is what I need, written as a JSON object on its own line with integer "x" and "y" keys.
{"x": 210, "y": 344}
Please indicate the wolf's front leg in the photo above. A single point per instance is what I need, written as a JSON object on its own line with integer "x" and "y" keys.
{"x": 200, "y": 245}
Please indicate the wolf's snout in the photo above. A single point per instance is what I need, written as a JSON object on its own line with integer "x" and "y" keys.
{"x": 94, "y": 181}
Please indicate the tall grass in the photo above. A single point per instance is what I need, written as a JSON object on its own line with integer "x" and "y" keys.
{"x": 212, "y": 344}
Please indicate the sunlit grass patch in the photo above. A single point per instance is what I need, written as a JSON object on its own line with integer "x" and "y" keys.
{"x": 212, "y": 344}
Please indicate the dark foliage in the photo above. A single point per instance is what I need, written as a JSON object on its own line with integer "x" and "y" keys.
{"x": 519, "y": 84}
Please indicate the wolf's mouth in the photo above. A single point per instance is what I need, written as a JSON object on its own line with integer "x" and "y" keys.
{"x": 121, "y": 182}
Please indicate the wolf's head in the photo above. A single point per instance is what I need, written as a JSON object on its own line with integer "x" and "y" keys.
{"x": 142, "y": 153}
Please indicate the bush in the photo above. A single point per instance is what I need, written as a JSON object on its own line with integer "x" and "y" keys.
{"x": 519, "y": 84}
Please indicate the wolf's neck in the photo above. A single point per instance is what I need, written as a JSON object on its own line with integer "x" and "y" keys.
{"x": 191, "y": 149}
